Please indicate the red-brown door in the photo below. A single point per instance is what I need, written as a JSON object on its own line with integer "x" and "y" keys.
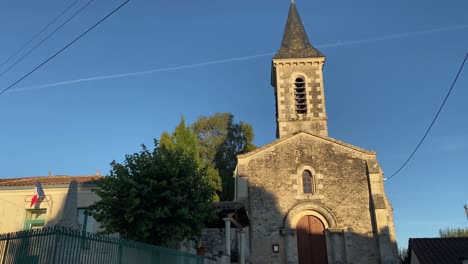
{"x": 311, "y": 244}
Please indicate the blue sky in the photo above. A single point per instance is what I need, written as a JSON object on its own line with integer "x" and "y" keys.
{"x": 389, "y": 65}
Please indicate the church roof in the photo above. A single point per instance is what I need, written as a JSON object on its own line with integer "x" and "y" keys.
{"x": 296, "y": 44}
{"x": 440, "y": 250}
{"x": 49, "y": 180}
{"x": 329, "y": 139}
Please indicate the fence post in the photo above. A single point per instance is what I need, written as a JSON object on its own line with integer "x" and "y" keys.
{"x": 120, "y": 252}
{"x": 6, "y": 248}
{"x": 57, "y": 237}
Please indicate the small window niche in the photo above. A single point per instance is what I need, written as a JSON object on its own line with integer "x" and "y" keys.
{"x": 307, "y": 182}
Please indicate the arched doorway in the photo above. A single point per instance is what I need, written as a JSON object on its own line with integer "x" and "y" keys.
{"x": 311, "y": 243}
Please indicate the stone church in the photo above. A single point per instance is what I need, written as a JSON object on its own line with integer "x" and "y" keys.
{"x": 311, "y": 198}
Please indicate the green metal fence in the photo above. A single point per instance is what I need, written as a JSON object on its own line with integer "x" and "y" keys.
{"x": 58, "y": 245}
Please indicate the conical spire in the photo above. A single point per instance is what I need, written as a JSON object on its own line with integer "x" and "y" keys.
{"x": 295, "y": 43}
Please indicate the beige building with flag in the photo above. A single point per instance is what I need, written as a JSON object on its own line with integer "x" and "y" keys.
{"x": 17, "y": 214}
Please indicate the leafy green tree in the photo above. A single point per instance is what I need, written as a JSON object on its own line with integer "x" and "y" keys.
{"x": 220, "y": 140}
{"x": 185, "y": 140}
{"x": 182, "y": 139}
{"x": 158, "y": 196}
{"x": 453, "y": 232}
{"x": 213, "y": 178}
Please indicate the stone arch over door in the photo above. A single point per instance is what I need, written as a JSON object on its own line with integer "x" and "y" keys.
{"x": 309, "y": 208}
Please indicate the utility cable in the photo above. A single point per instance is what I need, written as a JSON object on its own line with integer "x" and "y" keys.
{"x": 64, "y": 48}
{"x": 46, "y": 38}
{"x": 432, "y": 123}
{"x": 39, "y": 33}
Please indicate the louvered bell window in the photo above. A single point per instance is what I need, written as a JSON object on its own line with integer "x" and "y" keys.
{"x": 300, "y": 95}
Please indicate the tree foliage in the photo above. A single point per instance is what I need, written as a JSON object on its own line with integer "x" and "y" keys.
{"x": 165, "y": 195}
{"x": 220, "y": 140}
{"x": 453, "y": 232}
{"x": 403, "y": 256}
{"x": 159, "y": 196}
{"x": 185, "y": 140}
{"x": 182, "y": 139}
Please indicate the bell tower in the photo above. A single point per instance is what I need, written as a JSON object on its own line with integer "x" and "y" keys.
{"x": 296, "y": 76}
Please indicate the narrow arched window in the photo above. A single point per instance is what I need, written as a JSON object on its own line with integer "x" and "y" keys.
{"x": 307, "y": 182}
{"x": 300, "y": 95}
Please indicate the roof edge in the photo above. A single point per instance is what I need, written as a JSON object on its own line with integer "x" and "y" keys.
{"x": 48, "y": 180}
{"x": 329, "y": 139}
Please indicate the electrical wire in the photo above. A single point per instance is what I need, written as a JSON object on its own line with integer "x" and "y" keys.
{"x": 39, "y": 33}
{"x": 46, "y": 38}
{"x": 432, "y": 123}
{"x": 64, "y": 48}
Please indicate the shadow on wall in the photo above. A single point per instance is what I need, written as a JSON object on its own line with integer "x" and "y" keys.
{"x": 309, "y": 232}
{"x": 68, "y": 215}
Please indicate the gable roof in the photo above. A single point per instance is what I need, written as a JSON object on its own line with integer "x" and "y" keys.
{"x": 48, "y": 180}
{"x": 439, "y": 250}
{"x": 328, "y": 139}
{"x": 296, "y": 44}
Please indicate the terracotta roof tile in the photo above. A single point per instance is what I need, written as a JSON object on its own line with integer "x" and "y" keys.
{"x": 48, "y": 180}
{"x": 440, "y": 250}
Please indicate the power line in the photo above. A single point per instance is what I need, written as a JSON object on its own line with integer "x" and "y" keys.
{"x": 64, "y": 48}
{"x": 432, "y": 123}
{"x": 46, "y": 38}
{"x": 39, "y": 33}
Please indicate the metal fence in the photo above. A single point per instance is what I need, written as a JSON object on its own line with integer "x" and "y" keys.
{"x": 58, "y": 245}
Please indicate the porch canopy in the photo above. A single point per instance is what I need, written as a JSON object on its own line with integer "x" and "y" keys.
{"x": 235, "y": 211}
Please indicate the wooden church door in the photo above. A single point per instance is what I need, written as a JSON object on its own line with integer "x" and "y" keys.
{"x": 311, "y": 244}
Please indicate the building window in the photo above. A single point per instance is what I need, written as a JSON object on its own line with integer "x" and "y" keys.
{"x": 87, "y": 222}
{"x": 35, "y": 219}
{"x": 307, "y": 182}
{"x": 300, "y": 95}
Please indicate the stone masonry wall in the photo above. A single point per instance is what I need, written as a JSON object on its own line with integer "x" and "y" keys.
{"x": 288, "y": 120}
{"x": 213, "y": 239}
{"x": 340, "y": 185}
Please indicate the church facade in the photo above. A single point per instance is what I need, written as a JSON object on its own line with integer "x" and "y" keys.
{"x": 311, "y": 198}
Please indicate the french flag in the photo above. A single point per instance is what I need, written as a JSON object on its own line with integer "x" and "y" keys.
{"x": 38, "y": 196}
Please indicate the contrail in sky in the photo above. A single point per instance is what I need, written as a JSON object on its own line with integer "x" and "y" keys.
{"x": 129, "y": 74}
{"x": 243, "y": 58}
{"x": 394, "y": 36}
